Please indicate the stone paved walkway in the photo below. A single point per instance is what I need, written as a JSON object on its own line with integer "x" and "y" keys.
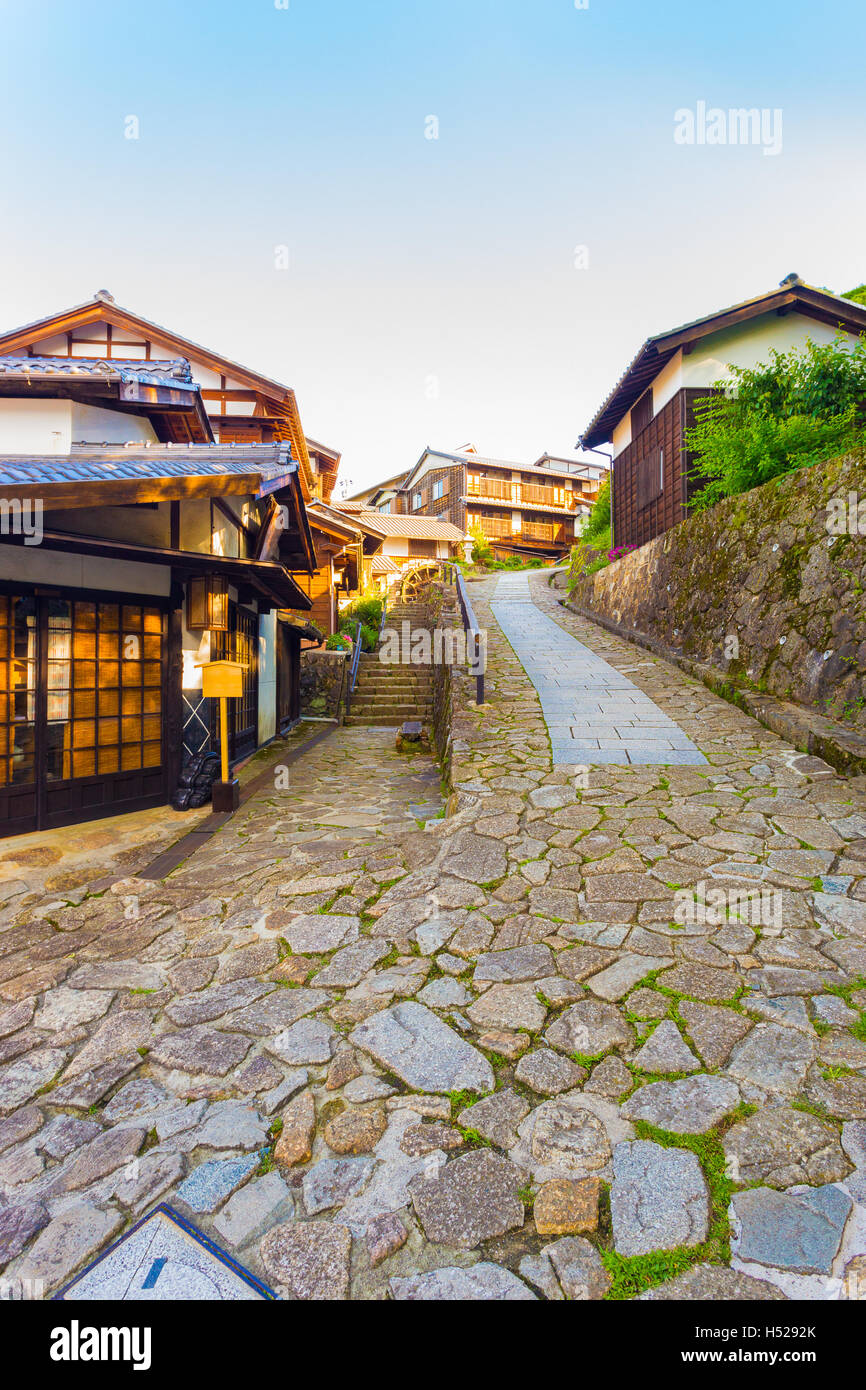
{"x": 549, "y": 1046}
{"x": 594, "y": 714}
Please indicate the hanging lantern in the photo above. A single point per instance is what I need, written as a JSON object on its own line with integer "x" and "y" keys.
{"x": 207, "y": 604}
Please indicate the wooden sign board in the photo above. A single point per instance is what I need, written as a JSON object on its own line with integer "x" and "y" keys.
{"x": 222, "y": 679}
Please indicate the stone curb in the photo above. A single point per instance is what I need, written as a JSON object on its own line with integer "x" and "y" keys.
{"x": 810, "y": 732}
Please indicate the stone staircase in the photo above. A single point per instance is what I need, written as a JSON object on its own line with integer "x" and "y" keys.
{"x": 387, "y": 694}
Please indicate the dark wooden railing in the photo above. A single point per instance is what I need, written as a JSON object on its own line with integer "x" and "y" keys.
{"x": 476, "y": 642}
{"x": 353, "y": 669}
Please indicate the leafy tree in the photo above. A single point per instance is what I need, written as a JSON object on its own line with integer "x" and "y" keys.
{"x": 482, "y": 551}
{"x": 858, "y": 295}
{"x": 596, "y": 532}
{"x": 801, "y": 407}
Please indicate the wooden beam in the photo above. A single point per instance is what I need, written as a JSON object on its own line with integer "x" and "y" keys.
{"x": 120, "y": 492}
{"x": 723, "y": 321}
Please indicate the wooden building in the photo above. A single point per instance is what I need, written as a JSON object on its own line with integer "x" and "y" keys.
{"x": 646, "y": 416}
{"x": 390, "y": 541}
{"x": 127, "y": 560}
{"x": 523, "y": 509}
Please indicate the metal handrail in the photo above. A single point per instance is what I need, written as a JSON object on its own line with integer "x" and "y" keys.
{"x": 479, "y": 643}
{"x": 353, "y": 669}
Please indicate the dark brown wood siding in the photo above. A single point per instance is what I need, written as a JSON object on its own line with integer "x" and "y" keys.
{"x": 639, "y": 515}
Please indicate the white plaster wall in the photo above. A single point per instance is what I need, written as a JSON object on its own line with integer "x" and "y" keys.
{"x": 267, "y": 676}
{"x": 35, "y": 426}
{"x": 93, "y": 425}
{"x": 622, "y": 435}
{"x": 32, "y": 565}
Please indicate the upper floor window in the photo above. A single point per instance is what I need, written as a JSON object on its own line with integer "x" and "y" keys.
{"x": 416, "y": 500}
{"x": 438, "y": 489}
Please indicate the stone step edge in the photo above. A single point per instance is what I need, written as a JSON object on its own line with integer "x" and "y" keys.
{"x": 810, "y": 732}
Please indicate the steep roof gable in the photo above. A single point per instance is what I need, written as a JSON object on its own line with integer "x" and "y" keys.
{"x": 103, "y": 309}
{"x": 792, "y": 294}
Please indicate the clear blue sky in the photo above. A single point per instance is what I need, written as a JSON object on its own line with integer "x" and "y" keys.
{"x": 431, "y": 296}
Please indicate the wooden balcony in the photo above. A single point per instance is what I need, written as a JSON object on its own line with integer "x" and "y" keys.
{"x": 496, "y": 528}
{"x": 506, "y": 493}
{"x": 499, "y": 489}
{"x": 547, "y": 532}
{"x": 545, "y": 496}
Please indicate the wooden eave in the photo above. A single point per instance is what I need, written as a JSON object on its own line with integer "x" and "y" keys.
{"x": 267, "y": 579}
{"x": 121, "y": 492}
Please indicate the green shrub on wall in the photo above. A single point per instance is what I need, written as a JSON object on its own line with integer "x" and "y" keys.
{"x": 369, "y": 612}
{"x": 590, "y": 552}
{"x": 798, "y": 409}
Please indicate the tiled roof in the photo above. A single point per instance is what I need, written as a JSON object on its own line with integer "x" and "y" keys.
{"x": 383, "y": 564}
{"x": 483, "y": 461}
{"x": 414, "y": 527}
{"x": 97, "y": 464}
{"x": 327, "y": 515}
{"x": 176, "y": 373}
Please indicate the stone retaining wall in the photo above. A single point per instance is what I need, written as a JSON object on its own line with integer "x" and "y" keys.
{"x": 323, "y": 676}
{"x": 758, "y": 588}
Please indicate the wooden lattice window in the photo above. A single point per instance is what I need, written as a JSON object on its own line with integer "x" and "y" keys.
{"x": 650, "y": 478}
{"x": 106, "y": 659}
{"x": 17, "y": 689}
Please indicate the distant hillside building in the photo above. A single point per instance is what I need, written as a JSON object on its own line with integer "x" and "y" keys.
{"x": 528, "y": 509}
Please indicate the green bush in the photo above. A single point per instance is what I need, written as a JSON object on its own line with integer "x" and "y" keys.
{"x": 369, "y": 637}
{"x": 368, "y": 609}
{"x": 798, "y": 409}
{"x": 596, "y": 532}
{"x": 337, "y": 642}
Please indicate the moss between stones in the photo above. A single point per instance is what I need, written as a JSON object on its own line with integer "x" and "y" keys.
{"x": 634, "y": 1274}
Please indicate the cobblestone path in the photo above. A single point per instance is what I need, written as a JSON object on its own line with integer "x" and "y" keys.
{"x": 590, "y": 1035}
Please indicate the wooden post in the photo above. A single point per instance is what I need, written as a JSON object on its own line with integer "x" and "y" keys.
{"x": 224, "y": 736}
{"x": 223, "y": 680}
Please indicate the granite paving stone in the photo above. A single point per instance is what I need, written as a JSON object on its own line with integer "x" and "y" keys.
{"x": 658, "y": 1199}
{"x": 213, "y": 1182}
{"x": 793, "y": 1231}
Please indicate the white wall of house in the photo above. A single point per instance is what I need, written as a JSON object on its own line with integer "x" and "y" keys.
{"x": 397, "y": 547}
{"x": 267, "y": 676}
{"x": 93, "y": 425}
{"x": 32, "y": 565}
{"x": 35, "y": 426}
{"x": 746, "y": 345}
